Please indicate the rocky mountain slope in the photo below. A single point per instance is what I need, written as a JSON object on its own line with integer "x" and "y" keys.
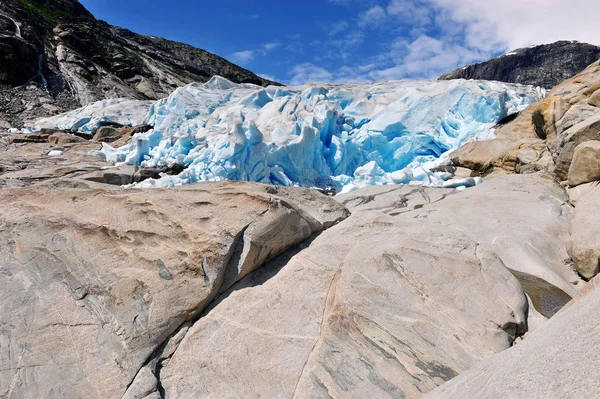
{"x": 546, "y": 65}
{"x": 70, "y": 59}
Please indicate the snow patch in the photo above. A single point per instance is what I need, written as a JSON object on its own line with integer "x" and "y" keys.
{"x": 88, "y": 119}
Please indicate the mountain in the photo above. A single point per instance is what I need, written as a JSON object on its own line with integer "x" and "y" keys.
{"x": 545, "y": 65}
{"x": 74, "y": 59}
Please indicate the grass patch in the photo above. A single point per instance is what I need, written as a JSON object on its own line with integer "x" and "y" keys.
{"x": 49, "y": 14}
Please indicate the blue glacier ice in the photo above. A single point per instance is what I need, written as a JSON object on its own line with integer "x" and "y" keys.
{"x": 321, "y": 135}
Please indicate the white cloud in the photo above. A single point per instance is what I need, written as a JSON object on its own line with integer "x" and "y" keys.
{"x": 267, "y": 76}
{"x": 242, "y": 56}
{"x": 271, "y": 46}
{"x": 416, "y": 12}
{"x": 338, "y": 27}
{"x": 309, "y": 73}
{"x": 374, "y": 17}
{"x": 426, "y": 38}
{"x": 518, "y": 23}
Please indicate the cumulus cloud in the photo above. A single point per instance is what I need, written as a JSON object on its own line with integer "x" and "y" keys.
{"x": 374, "y": 16}
{"x": 426, "y": 38}
{"x": 242, "y": 57}
{"x": 308, "y": 72}
{"x": 518, "y": 23}
{"x": 271, "y": 46}
{"x": 338, "y": 27}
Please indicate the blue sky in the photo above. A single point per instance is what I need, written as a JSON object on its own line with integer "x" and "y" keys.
{"x": 296, "y": 42}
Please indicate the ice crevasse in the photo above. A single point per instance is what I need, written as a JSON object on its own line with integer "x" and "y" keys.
{"x": 319, "y": 135}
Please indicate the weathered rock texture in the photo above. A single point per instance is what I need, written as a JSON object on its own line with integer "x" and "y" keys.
{"x": 585, "y": 166}
{"x": 544, "y": 137}
{"x": 557, "y": 361}
{"x": 72, "y": 59}
{"x": 585, "y": 233}
{"x": 546, "y": 65}
{"x": 95, "y": 281}
{"x": 225, "y": 290}
{"x": 413, "y": 289}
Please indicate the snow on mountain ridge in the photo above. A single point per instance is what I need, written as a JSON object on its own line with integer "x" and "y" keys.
{"x": 340, "y": 136}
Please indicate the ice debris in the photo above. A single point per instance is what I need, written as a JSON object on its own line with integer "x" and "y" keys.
{"x": 327, "y": 136}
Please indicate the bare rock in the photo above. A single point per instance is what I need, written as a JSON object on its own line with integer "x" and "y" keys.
{"x": 107, "y": 134}
{"x": 585, "y": 233}
{"x": 585, "y": 166}
{"x": 95, "y": 281}
{"x": 410, "y": 291}
{"x": 526, "y": 156}
{"x": 60, "y": 138}
{"x": 545, "y": 65}
{"x": 565, "y": 145}
{"x": 557, "y": 361}
{"x": 479, "y": 155}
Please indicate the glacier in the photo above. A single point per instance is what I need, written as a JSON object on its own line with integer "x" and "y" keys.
{"x": 338, "y": 137}
{"x": 88, "y": 119}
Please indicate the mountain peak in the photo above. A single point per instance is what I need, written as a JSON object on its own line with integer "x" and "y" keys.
{"x": 543, "y": 65}
{"x": 69, "y": 58}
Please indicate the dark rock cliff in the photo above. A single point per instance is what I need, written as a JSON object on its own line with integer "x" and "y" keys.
{"x": 546, "y": 65}
{"x": 55, "y": 56}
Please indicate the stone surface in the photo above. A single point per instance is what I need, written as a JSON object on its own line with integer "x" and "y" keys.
{"x": 564, "y": 146}
{"x": 107, "y": 134}
{"x": 411, "y": 290}
{"x": 527, "y": 156}
{"x": 24, "y": 161}
{"x": 479, "y": 155}
{"x": 557, "y": 361}
{"x": 546, "y": 65}
{"x": 552, "y": 127}
{"x": 96, "y": 280}
{"x": 65, "y": 138}
{"x": 585, "y": 232}
{"x": 585, "y": 166}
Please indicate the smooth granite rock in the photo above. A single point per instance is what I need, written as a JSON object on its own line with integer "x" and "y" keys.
{"x": 413, "y": 289}
{"x": 94, "y": 281}
{"x": 585, "y": 233}
{"x": 557, "y": 361}
{"x": 585, "y": 167}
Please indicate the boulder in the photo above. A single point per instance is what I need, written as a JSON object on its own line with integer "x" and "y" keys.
{"x": 527, "y": 156}
{"x": 107, "y": 134}
{"x": 61, "y": 138}
{"x": 119, "y": 136}
{"x": 479, "y": 155}
{"x": 565, "y": 145}
{"x": 95, "y": 281}
{"x": 528, "y": 124}
{"x": 585, "y": 166}
{"x": 584, "y": 246}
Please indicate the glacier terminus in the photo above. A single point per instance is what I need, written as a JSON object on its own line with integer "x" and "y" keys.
{"x": 338, "y": 137}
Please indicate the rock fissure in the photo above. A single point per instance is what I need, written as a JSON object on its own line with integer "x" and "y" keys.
{"x": 329, "y": 301}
